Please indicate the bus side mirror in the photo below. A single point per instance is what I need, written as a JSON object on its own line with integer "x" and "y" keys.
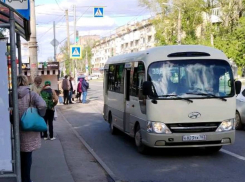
{"x": 238, "y": 86}
{"x": 147, "y": 88}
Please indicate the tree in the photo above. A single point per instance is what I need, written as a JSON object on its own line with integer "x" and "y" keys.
{"x": 166, "y": 22}
{"x": 1, "y": 32}
{"x": 66, "y": 57}
{"x": 81, "y": 64}
{"x": 227, "y": 34}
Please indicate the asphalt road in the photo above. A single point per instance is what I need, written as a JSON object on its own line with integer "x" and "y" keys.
{"x": 160, "y": 165}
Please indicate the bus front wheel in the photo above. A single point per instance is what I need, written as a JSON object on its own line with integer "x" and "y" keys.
{"x": 138, "y": 141}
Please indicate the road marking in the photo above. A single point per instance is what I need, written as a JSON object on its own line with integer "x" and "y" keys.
{"x": 233, "y": 154}
{"x": 103, "y": 165}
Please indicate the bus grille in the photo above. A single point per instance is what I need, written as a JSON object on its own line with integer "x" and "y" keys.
{"x": 193, "y": 127}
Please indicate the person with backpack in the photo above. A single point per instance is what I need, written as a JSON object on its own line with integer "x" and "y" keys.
{"x": 51, "y": 99}
{"x": 84, "y": 89}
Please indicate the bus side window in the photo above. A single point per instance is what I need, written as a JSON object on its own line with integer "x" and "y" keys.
{"x": 116, "y": 78}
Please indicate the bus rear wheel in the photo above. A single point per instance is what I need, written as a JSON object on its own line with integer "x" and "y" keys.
{"x": 141, "y": 148}
{"x": 113, "y": 130}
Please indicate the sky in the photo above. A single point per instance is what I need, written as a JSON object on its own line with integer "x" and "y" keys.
{"x": 116, "y": 13}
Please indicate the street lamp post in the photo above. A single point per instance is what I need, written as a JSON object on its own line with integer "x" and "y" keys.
{"x": 179, "y": 21}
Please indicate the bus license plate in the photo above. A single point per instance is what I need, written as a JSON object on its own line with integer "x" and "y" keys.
{"x": 194, "y": 137}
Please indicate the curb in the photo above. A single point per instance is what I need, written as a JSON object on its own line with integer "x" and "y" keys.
{"x": 99, "y": 160}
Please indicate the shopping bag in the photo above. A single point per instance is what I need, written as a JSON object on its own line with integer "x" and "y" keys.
{"x": 32, "y": 121}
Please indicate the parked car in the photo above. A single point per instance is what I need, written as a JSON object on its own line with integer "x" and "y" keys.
{"x": 94, "y": 77}
{"x": 240, "y": 110}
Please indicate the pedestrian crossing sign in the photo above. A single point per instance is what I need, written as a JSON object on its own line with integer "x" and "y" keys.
{"x": 98, "y": 12}
{"x": 75, "y": 52}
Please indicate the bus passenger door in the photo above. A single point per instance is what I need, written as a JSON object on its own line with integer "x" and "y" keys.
{"x": 127, "y": 106}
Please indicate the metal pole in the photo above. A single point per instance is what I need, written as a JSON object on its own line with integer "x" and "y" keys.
{"x": 33, "y": 42}
{"x": 15, "y": 97}
{"x": 86, "y": 62}
{"x": 68, "y": 39}
{"x": 179, "y": 27}
{"x": 54, "y": 44}
{"x": 19, "y": 53}
{"x": 75, "y": 42}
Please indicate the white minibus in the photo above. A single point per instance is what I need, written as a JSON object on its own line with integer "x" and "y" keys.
{"x": 172, "y": 97}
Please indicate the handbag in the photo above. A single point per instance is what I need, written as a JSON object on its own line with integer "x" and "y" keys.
{"x": 32, "y": 121}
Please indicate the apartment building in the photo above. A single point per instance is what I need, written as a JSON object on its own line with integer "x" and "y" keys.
{"x": 88, "y": 40}
{"x": 128, "y": 38}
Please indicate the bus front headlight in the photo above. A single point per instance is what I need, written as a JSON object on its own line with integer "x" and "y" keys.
{"x": 157, "y": 127}
{"x": 226, "y": 125}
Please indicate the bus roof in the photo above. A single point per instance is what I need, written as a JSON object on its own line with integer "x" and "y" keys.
{"x": 162, "y": 53}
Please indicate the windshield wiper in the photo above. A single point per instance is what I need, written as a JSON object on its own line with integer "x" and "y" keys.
{"x": 208, "y": 95}
{"x": 181, "y": 98}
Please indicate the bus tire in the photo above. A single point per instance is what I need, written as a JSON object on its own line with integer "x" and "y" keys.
{"x": 214, "y": 149}
{"x": 238, "y": 124}
{"x": 113, "y": 130}
{"x": 141, "y": 148}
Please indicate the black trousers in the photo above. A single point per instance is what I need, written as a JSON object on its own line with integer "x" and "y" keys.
{"x": 26, "y": 162}
{"x": 66, "y": 96}
{"x": 49, "y": 117}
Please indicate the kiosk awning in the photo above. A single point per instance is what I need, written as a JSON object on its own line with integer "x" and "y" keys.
{"x": 22, "y": 26}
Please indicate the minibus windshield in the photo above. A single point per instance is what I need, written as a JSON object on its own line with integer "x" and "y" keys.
{"x": 195, "y": 78}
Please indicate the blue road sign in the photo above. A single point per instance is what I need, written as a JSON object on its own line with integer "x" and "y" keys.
{"x": 98, "y": 12}
{"x": 75, "y": 52}
{"x": 21, "y": 6}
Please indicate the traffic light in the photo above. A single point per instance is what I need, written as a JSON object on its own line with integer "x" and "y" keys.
{"x": 77, "y": 36}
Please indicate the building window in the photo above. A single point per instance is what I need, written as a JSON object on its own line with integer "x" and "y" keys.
{"x": 136, "y": 42}
{"x": 131, "y": 43}
{"x": 149, "y": 38}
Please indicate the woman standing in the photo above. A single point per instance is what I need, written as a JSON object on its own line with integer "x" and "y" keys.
{"x": 79, "y": 90}
{"x": 84, "y": 90}
{"x": 29, "y": 141}
{"x": 37, "y": 85}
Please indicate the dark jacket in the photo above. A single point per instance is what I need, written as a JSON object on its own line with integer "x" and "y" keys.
{"x": 71, "y": 89}
{"x": 84, "y": 85}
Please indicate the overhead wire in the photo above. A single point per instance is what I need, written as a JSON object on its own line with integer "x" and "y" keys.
{"x": 58, "y": 5}
{"x": 42, "y": 35}
{"x": 140, "y": 13}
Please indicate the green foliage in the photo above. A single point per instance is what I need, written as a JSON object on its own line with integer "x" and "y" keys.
{"x": 228, "y": 34}
{"x": 1, "y": 32}
{"x": 65, "y": 53}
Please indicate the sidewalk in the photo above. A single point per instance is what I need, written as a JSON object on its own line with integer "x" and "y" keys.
{"x": 65, "y": 159}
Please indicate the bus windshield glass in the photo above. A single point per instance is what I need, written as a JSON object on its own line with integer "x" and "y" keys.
{"x": 191, "y": 78}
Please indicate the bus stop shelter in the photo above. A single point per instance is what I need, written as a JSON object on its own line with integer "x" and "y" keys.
{"x": 18, "y": 27}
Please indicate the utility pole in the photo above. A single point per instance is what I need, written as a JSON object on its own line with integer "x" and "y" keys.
{"x": 75, "y": 42}
{"x": 68, "y": 39}
{"x": 54, "y": 44}
{"x": 179, "y": 26}
{"x": 86, "y": 62}
{"x": 33, "y": 43}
